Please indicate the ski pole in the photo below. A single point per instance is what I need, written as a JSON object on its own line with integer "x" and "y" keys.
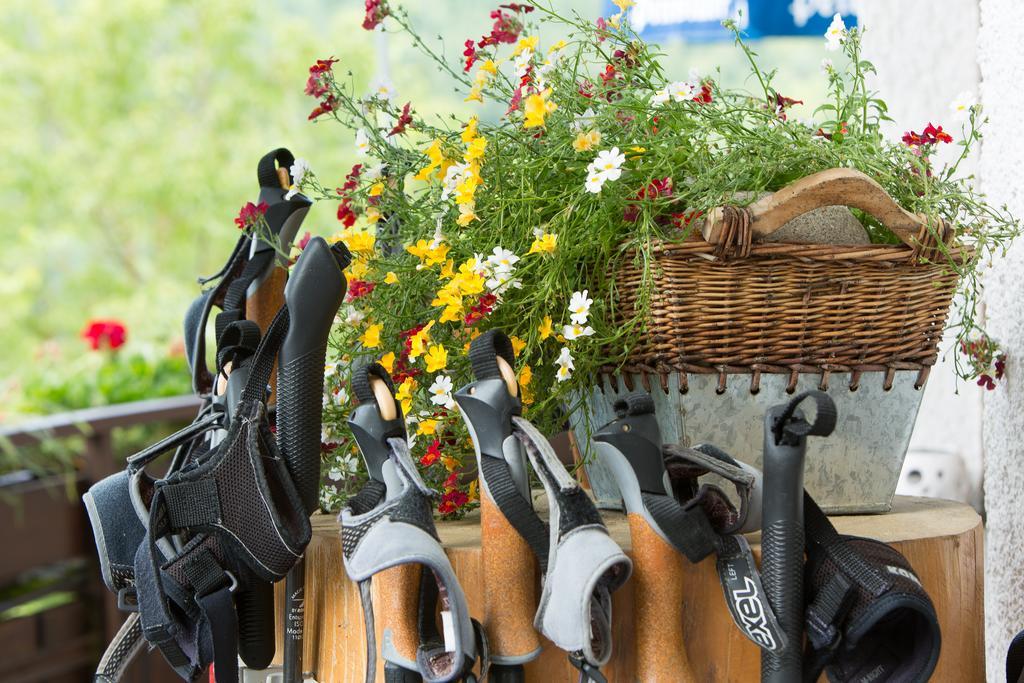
{"x": 313, "y": 295}
{"x": 508, "y": 560}
{"x": 376, "y": 419}
{"x": 782, "y": 526}
{"x": 631, "y": 447}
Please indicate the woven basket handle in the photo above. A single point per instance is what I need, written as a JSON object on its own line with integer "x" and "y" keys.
{"x": 836, "y": 186}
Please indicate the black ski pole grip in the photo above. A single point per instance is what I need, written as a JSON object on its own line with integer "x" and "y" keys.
{"x": 313, "y": 295}
{"x": 782, "y": 548}
{"x": 255, "y": 608}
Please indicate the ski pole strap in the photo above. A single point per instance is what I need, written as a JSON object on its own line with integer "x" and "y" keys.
{"x": 266, "y": 355}
{"x": 791, "y": 430}
{"x": 121, "y": 651}
{"x": 745, "y": 596}
{"x": 516, "y": 509}
{"x": 266, "y": 169}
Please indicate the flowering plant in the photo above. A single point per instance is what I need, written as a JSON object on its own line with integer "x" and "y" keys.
{"x": 457, "y": 226}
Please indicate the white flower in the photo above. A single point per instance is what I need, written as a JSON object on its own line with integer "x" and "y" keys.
{"x": 835, "y": 34}
{"x": 575, "y": 331}
{"x": 579, "y": 307}
{"x": 374, "y": 172}
{"x": 522, "y": 62}
{"x": 680, "y": 91}
{"x": 608, "y": 163}
{"x": 346, "y": 464}
{"x": 961, "y": 106}
{"x": 584, "y": 120}
{"x": 501, "y": 281}
{"x": 441, "y": 392}
{"x": 565, "y": 365}
{"x": 362, "y": 142}
{"x": 452, "y": 177}
{"x": 353, "y": 316}
{"x": 595, "y": 181}
{"x": 661, "y": 96}
{"x": 384, "y": 90}
{"x": 298, "y": 171}
{"x": 826, "y": 66}
{"x": 502, "y": 260}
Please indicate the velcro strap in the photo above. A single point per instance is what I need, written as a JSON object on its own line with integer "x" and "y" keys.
{"x": 218, "y": 608}
{"x": 745, "y": 596}
{"x": 204, "y": 573}
{"x": 827, "y": 610}
{"x": 688, "y": 530}
{"x": 820, "y": 531}
{"x": 192, "y": 504}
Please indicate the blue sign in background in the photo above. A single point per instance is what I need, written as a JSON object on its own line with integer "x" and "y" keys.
{"x": 701, "y": 20}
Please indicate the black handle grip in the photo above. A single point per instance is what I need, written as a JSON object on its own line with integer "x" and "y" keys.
{"x": 255, "y": 607}
{"x": 313, "y": 294}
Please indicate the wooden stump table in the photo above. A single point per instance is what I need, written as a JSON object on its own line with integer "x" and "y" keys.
{"x": 941, "y": 539}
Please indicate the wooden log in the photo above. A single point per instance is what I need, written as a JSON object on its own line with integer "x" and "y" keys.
{"x": 941, "y": 539}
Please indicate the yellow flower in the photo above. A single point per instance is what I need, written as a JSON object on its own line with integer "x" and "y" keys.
{"x": 466, "y": 188}
{"x": 436, "y": 156}
{"x": 418, "y": 341}
{"x": 475, "y": 149}
{"x": 469, "y": 132}
{"x": 517, "y": 345}
{"x": 404, "y": 394}
{"x": 557, "y": 46}
{"x": 447, "y": 270}
{"x": 467, "y": 214}
{"x": 428, "y": 253}
{"x": 527, "y": 43}
{"x": 615, "y": 20}
{"x": 387, "y": 361}
{"x": 450, "y": 463}
{"x": 426, "y": 427}
{"x": 475, "y": 94}
{"x": 451, "y": 313}
{"x": 372, "y": 215}
{"x": 536, "y": 108}
{"x": 623, "y": 4}
{"x": 488, "y": 67}
{"x": 472, "y": 493}
{"x": 586, "y": 141}
{"x": 525, "y": 377}
{"x": 358, "y": 240}
{"x": 371, "y": 337}
{"x": 437, "y": 358}
{"x": 358, "y": 270}
{"x": 545, "y": 244}
{"x": 376, "y": 189}
{"x": 390, "y": 278}
{"x": 545, "y": 328}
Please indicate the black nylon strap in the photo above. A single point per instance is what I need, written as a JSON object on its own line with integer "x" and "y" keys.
{"x": 827, "y": 610}
{"x": 688, "y": 530}
{"x": 192, "y": 504}
{"x": 238, "y": 342}
{"x": 265, "y": 357}
{"x": 824, "y": 419}
{"x": 517, "y": 510}
{"x": 200, "y": 426}
{"x": 819, "y": 530}
{"x": 218, "y": 609}
{"x": 266, "y": 169}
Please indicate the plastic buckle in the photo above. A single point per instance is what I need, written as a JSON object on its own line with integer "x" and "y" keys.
{"x": 127, "y": 599}
{"x": 591, "y": 672}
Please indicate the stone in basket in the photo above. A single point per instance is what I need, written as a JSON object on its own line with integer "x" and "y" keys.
{"x": 736, "y": 323}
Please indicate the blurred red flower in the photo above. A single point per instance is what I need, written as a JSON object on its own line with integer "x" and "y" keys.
{"x": 109, "y": 334}
{"x": 376, "y": 10}
{"x": 250, "y": 214}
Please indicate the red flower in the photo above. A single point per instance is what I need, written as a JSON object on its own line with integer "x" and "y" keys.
{"x": 843, "y": 130}
{"x": 931, "y": 135}
{"x": 327, "y": 105}
{"x": 110, "y": 334}
{"x": 608, "y": 74}
{"x": 318, "y": 81}
{"x": 359, "y": 288}
{"x": 403, "y": 371}
{"x": 517, "y": 98}
{"x": 304, "y": 241}
{"x": 404, "y": 119}
{"x": 470, "y": 54}
{"x": 602, "y": 27}
{"x": 250, "y": 214}
{"x": 346, "y": 214}
{"x": 351, "y": 180}
{"x": 481, "y": 309}
{"x": 451, "y": 501}
{"x": 517, "y": 8}
{"x": 506, "y": 28}
{"x": 432, "y": 455}
{"x": 704, "y": 97}
{"x": 654, "y": 189}
{"x": 782, "y": 103}
{"x": 681, "y": 220}
{"x": 376, "y": 10}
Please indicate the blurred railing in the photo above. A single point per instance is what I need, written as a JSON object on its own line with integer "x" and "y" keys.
{"x": 56, "y": 616}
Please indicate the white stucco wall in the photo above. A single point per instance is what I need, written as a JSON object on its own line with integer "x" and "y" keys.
{"x": 1002, "y": 69}
{"x": 926, "y": 54}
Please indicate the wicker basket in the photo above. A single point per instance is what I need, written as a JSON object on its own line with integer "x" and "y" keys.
{"x": 750, "y": 321}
